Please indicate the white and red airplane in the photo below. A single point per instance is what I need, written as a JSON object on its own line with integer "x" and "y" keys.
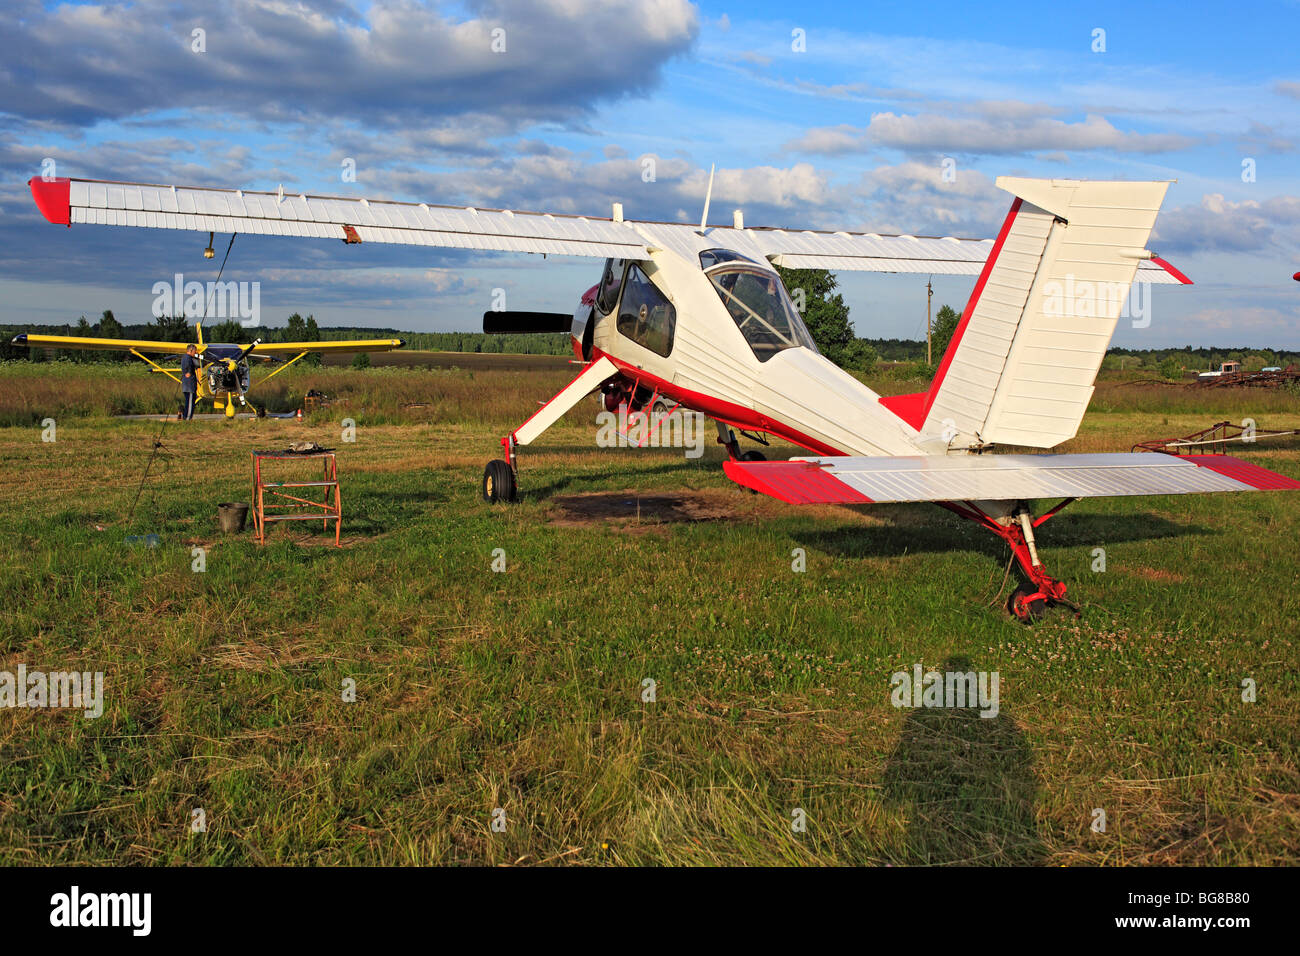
{"x": 698, "y": 317}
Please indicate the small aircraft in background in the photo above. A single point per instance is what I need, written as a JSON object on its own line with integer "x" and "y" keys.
{"x": 698, "y": 317}
{"x": 224, "y": 369}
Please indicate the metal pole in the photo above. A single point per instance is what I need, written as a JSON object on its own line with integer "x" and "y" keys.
{"x": 929, "y": 293}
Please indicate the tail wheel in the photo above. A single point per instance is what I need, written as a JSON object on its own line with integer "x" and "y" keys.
{"x": 752, "y": 456}
{"x": 1026, "y": 604}
{"x": 499, "y": 482}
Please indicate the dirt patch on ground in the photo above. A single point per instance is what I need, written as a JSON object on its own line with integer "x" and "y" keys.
{"x": 1159, "y": 574}
{"x": 638, "y": 512}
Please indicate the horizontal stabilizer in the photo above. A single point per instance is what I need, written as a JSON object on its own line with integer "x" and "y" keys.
{"x": 856, "y": 480}
{"x": 514, "y": 323}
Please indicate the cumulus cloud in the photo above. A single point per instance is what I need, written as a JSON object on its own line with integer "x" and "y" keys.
{"x": 914, "y": 198}
{"x": 1003, "y": 127}
{"x": 1221, "y": 225}
{"x": 398, "y": 62}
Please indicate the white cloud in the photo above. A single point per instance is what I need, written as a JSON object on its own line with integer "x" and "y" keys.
{"x": 929, "y": 131}
{"x": 1221, "y": 225}
{"x": 398, "y": 62}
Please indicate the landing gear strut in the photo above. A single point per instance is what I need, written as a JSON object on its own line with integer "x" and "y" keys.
{"x": 1015, "y": 525}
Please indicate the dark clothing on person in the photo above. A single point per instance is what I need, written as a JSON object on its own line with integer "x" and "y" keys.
{"x": 189, "y": 384}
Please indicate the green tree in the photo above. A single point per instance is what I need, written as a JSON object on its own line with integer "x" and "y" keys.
{"x": 311, "y": 333}
{"x": 942, "y": 329}
{"x": 822, "y": 308}
{"x": 84, "y": 330}
{"x": 827, "y": 317}
{"x": 110, "y": 328}
{"x": 228, "y": 331}
{"x": 362, "y": 360}
{"x": 171, "y": 328}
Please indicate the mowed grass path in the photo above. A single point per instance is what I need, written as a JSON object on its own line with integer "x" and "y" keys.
{"x": 522, "y": 690}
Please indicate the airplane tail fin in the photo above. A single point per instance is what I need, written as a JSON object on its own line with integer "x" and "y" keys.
{"x": 1021, "y": 365}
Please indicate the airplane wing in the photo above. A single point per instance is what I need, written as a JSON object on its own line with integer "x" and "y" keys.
{"x": 864, "y": 480}
{"x": 858, "y": 252}
{"x": 873, "y": 253}
{"x": 276, "y": 349}
{"x": 68, "y": 201}
{"x": 102, "y": 345}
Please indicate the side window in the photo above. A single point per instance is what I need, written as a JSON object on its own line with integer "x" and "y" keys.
{"x": 607, "y": 296}
{"x": 645, "y": 315}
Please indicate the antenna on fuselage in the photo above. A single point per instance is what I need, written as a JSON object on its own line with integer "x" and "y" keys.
{"x": 704, "y": 220}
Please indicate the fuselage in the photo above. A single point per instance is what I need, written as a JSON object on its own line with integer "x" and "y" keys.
{"x": 225, "y": 370}
{"x": 721, "y": 336}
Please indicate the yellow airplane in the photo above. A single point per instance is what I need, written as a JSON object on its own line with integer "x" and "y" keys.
{"x": 223, "y": 367}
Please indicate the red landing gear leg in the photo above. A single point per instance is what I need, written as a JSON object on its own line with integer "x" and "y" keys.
{"x": 727, "y": 438}
{"x": 1031, "y": 599}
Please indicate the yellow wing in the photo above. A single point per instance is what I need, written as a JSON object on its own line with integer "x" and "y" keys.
{"x": 354, "y": 345}
{"x": 103, "y": 345}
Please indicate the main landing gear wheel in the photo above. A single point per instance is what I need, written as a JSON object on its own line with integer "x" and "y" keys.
{"x": 1027, "y": 604}
{"x": 499, "y": 482}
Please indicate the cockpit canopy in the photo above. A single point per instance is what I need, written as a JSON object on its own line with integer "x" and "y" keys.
{"x": 760, "y": 307}
{"x": 716, "y": 257}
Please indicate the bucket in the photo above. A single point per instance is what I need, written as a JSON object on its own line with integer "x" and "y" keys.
{"x": 231, "y": 515}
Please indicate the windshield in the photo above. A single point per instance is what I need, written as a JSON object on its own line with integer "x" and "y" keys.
{"x": 762, "y": 310}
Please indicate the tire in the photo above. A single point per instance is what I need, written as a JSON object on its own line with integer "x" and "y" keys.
{"x": 1025, "y": 609}
{"x": 752, "y": 456}
{"x": 660, "y": 407}
{"x": 499, "y": 482}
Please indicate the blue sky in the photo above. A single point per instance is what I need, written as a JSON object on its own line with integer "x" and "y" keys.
{"x": 848, "y": 133}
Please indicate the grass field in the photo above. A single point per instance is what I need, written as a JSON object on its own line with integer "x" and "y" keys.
{"x": 523, "y": 689}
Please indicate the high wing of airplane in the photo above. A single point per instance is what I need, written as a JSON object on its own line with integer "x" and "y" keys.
{"x": 698, "y": 317}
{"x": 224, "y": 366}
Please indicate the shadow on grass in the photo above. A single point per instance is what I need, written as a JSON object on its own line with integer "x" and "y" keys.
{"x": 587, "y": 480}
{"x": 905, "y": 534}
{"x": 968, "y": 785}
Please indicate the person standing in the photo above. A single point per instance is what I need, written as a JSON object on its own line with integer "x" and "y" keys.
{"x": 189, "y": 381}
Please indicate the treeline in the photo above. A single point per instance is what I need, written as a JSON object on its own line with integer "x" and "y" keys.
{"x": 296, "y": 329}
{"x": 1199, "y": 359}
{"x": 548, "y": 343}
{"x": 827, "y": 319}
{"x": 1186, "y": 358}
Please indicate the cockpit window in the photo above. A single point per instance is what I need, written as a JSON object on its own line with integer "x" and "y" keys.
{"x": 645, "y": 315}
{"x": 607, "y": 295}
{"x": 712, "y": 257}
{"x": 762, "y": 310}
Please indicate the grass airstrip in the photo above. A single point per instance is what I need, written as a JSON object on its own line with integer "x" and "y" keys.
{"x": 645, "y": 678}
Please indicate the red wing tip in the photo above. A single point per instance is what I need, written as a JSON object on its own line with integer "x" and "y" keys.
{"x": 53, "y": 198}
{"x": 1171, "y": 270}
{"x": 1245, "y": 472}
{"x": 794, "y": 482}
{"x": 1296, "y": 277}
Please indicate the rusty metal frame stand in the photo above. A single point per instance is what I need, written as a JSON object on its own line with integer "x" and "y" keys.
{"x": 303, "y": 509}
